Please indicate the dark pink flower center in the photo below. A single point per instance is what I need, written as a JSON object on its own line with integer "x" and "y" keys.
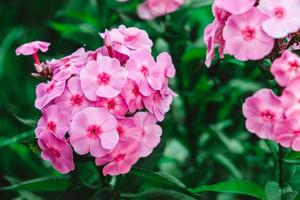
{"x": 294, "y": 66}
{"x": 54, "y": 152}
{"x": 111, "y": 104}
{"x": 279, "y": 12}
{"x": 296, "y": 132}
{"x": 135, "y": 90}
{"x": 50, "y": 87}
{"x": 268, "y": 115}
{"x": 94, "y": 131}
{"x": 103, "y": 78}
{"x": 77, "y": 99}
{"x": 119, "y": 157}
{"x": 248, "y": 33}
{"x": 145, "y": 71}
{"x": 120, "y": 130}
{"x": 51, "y": 125}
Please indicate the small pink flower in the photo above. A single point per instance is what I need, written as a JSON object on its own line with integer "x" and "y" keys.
{"x": 151, "y": 9}
{"x": 121, "y": 159}
{"x": 122, "y": 41}
{"x": 146, "y": 132}
{"x": 245, "y": 38}
{"x": 286, "y": 68}
{"x": 164, "y": 60}
{"x": 159, "y": 103}
{"x": 290, "y": 98}
{"x": 46, "y": 92}
{"x": 142, "y": 68}
{"x": 262, "y": 111}
{"x": 123, "y": 125}
{"x": 283, "y": 17}
{"x": 32, "y": 48}
{"x": 55, "y": 121}
{"x": 213, "y": 34}
{"x": 236, "y": 6}
{"x": 132, "y": 96}
{"x": 288, "y": 132}
{"x": 103, "y": 78}
{"x": 73, "y": 99}
{"x": 93, "y": 130}
{"x": 71, "y": 64}
{"x": 116, "y": 105}
{"x": 58, "y": 152}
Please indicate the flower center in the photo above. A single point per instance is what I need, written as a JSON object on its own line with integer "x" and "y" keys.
{"x": 110, "y": 104}
{"x": 51, "y": 126}
{"x": 296, "y": 132}
{"x": 103, "y": 78}
{"x": 145, "y": 71}
{"x": 279, "y": 12}
{"x": 93, "y": 131}
{"x": 54, "y": 152}
{"x": 268, "y": 115}
{"x": 135, "y": 90}
{"x": 249, "y": 33}
{"x": 77, "y": 99}
{"x": 119, "y": 158}
{"x": 50, "y": 88}
{"x": 120, "y": 130}
{"x": 294, "y": 66}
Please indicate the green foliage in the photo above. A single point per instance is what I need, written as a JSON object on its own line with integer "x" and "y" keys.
{"x": 205, "y": 151}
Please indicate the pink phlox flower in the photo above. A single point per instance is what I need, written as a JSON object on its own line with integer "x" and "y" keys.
{"x": 236, "y": 6}
{"x": 93, "y": 130}
{"x": 58, "y": 152}
{"x": 116, "y": 105}
{"x": 32, "y": 48}
{"x": 262, "y": 111}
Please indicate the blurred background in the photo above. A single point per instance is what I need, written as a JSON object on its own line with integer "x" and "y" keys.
{"x": 204, "y": 139}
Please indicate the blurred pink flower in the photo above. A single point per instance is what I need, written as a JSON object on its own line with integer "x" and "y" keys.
{"x": 132, "y": 96}
{"x": 142, "y": 68}
{"x": 32, "y": 48}
{"x": 93, "y": 130}
{"x": 73, "y": 99}
{"x": 46, "y": 92}
{"x": 54, "y": 121}
{"x": 236, "y": 6}
{"x": 151, "y": 9}
{"x": 103, "y": 78}
{"x": 262, "y": 111}
{"x": 116, "y": 105}
{"x": 121, "y": 159}
{"x": 283, "y": 17}
{"x": 244, "y": 37}
{"x": 146, "y": 132}
{"x": 286, "y": 68}
{"x": 58, "y": 152}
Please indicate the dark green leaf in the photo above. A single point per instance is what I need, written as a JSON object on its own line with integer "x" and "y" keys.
{"x": 41, "y": 184}
{"x": 235, "y": 187}
{"x": 18, "y": 138}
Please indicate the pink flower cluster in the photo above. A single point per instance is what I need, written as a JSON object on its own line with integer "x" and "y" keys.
{"x": 105, "y": 103}
{"x": 247, "y": 29}
{"x": 278, "y": 117}
{"x": 151, "y": 9}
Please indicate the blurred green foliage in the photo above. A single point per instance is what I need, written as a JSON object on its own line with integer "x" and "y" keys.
{"x": 204, "y": 139}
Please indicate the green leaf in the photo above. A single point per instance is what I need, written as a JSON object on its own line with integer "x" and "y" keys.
{"x": 273, "y": 191}
{"x": 41, "y": 184}
{"x": 235, "y": 187}
{"x": 18, "y": 138}
{"x": 158, "y": 194}
{"x": 157, "y": 177}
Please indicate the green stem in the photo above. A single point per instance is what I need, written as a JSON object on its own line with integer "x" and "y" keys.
{"x": 280, "y": 166}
